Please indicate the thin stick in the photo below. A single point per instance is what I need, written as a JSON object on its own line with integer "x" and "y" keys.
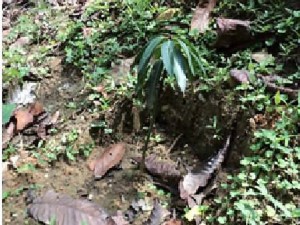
{"x": 142, "y": 166}
{"x": 174, "y": 143}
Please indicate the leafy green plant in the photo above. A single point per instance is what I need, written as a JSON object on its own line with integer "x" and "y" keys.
{"x": 265, "y": 188}
{"x": 173, "y": 55}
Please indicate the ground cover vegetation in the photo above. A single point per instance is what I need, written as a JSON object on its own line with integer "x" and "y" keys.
{"x": 203, "y": 96}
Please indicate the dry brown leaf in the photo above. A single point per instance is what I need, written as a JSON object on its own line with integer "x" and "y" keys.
{"x": 200, "y": 19}
{"x": 110, "y": 158}
{"x": 241, "y": 76}
{"x": 54, "y": 118}
{"x": 67, "y": 210}
{"x": 226, "y": 25}
{"x": 161, "y": 168}
{"x": 36, "y": 108}
{"x": 23, "y": 117}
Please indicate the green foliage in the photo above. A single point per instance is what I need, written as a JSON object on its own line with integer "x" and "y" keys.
{"x": 7, "y": 110}
{"x": 265, "y": 189}
{"x": 179, "y": 58}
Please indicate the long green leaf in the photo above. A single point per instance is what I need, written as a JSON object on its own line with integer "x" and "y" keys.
{"x": 186, "y": 50}
{"x": 7, "y": 110}
{"x": 179, "y": 70}
{"x": 167, "y": 49}
{"x": 152, "y": 93}
{"x": 195, "y": 55}
{"x": 148, "y": 52}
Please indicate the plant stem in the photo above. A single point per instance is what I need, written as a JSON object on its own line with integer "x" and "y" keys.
{"x": 152, "y": 118}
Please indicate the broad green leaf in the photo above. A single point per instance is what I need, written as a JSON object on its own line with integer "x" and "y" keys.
{"x": 152, "y": 93}
{"x": 7, "y": 110}
{"x": 148, "y": 53}
{"x": 186, "y": 50}
{"x": 277, "y": 98}
{"x": 179, "y": 70}
{"x": 167, "y": 50}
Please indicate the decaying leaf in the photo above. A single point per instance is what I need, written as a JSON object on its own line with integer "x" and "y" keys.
{"x": 241, "y": 76}
{"x": 226, "y": 25}
{"x": 158, "y": 214}
{"x": 200, "y": 20}
{"x": 23, "y": 117}
{"x": 36, "y": 108}
{"x": 161, "y": 168}
{"x": 110, "y": 158}
{"x": 194, "y": 180}
{"x": 66, "y": 210}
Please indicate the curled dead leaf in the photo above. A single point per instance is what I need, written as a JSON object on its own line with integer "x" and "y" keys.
{"x": 110, "y": 158}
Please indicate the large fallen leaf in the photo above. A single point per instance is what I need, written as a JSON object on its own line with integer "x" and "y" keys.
{"x": 200, "y": 19}
{"x": 194, "y": 180}
{"x": 67, "y": 211}
{"x": 23, "y": 117}
{"x": 110, "y": 158}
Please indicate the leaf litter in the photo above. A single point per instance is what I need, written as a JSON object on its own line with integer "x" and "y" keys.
{"x": 66, "y": 211}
